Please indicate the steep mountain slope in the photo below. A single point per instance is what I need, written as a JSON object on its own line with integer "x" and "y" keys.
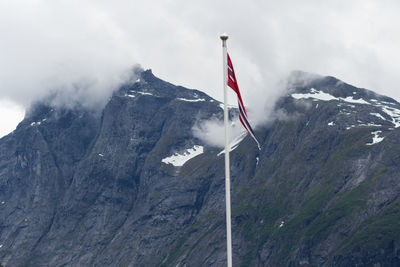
{"x": 134, "y": 187}
{"x": 329, "y": 176}
{"x": 73, "y": 183}
{"x": 324, "y": 188}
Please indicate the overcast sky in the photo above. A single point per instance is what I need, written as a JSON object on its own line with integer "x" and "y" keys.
{"x": 50, "y": 45}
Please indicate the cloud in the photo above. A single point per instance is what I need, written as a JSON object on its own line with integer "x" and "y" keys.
{"x": 211, "y": 131}
{"x": 73, "y": 49}
{"x": 14, "y": 114}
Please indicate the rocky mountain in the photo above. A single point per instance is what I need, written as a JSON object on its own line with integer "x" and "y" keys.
{"x": 134, "y": 187}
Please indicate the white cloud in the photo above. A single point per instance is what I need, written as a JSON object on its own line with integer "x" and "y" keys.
{"x": 14, "y": 113}
{"x": 57, "y": 45}
{"x": 212, "y": 132}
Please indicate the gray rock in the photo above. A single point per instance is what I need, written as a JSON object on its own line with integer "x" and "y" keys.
{"x": 79, "y": 188}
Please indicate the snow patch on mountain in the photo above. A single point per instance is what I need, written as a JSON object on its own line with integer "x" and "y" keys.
{"x": 38, "y": 122}
{"x": 350, "y": 99}
{"x": 378, "y": 115}
{"x": 376, "y": 138}
{"x": 143, "y": 93}
{"x": 393, "y": 113}
{"x": 386, "y": 107}
{"x": 192, "y": 100}
{"x": 319, "y": 95}
{"x": 179, "y": 159}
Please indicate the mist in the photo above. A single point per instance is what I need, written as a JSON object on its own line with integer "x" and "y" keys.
{"x": 69, "y": 52}
{"x": 211, "y": 131}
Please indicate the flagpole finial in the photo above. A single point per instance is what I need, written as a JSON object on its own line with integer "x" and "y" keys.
{"x": 224, "y": 37}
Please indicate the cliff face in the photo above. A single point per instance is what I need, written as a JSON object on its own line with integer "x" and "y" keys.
{"x": 134, "y": 187}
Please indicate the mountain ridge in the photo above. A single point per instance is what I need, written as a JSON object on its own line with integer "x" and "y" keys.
{"x": 86, "y": 189}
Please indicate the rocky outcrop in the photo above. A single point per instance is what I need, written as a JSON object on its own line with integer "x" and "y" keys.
{"x": 132, "y": 186}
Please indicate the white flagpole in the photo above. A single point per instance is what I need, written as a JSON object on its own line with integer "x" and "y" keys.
{"x": 224, "y": 37}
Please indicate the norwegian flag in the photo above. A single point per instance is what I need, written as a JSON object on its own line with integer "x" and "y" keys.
{"x": 232, "y": 83}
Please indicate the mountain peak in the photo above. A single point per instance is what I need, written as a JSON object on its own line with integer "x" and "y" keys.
{"x": 76, "y": 188}
{"x": 304, "y": 82}
{"x": 146, "y": 83}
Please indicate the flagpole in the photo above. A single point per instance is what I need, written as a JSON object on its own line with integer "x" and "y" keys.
{"x": 224, "y": 37}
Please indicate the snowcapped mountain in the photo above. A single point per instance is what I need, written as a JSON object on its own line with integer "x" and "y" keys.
{"x": 134, "y": 187}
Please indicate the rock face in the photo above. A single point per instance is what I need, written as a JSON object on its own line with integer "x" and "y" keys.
{"x": 133, "y": 186}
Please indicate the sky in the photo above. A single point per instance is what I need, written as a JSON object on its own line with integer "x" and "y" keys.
{"x": 81, "y": 51}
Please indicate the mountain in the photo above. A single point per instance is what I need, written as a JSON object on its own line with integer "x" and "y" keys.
{"x": 134, "y": 187}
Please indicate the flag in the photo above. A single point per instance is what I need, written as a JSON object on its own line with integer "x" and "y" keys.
{"x": 232, "y": 83}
